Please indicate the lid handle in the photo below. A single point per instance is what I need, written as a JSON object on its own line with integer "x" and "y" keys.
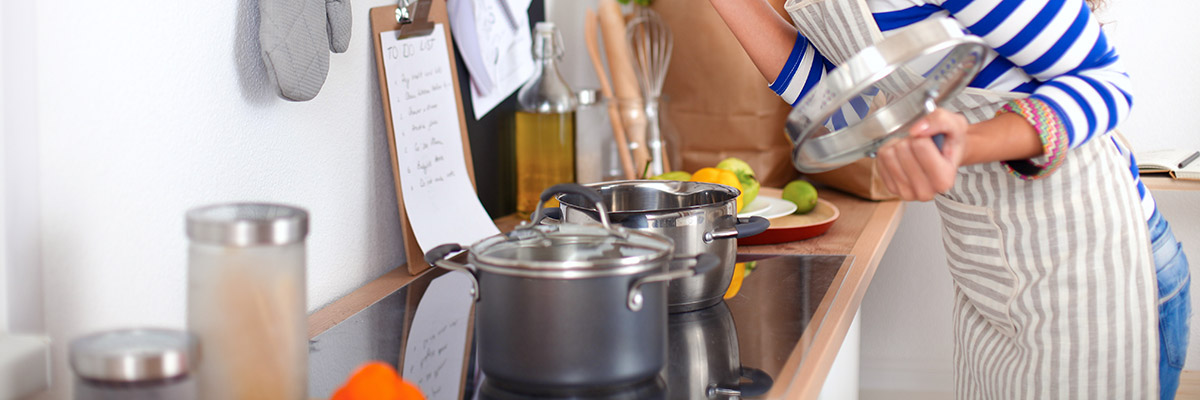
{"x": 572, "y": 188}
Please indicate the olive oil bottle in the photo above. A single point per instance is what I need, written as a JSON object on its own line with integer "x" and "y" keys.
{"x": 545, "y": 134}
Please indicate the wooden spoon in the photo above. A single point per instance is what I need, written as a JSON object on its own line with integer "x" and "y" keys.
{"x": 590, "y": 24}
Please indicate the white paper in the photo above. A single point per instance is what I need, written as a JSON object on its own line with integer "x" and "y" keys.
{"x": 440, "y": 202}
{"x": 462, "y": 17}
{"x": 437, "y": 342}
{"x": 499, "y": 31}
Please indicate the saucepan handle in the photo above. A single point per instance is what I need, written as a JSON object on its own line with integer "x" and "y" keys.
{"x": 745, "y": 227}
{"x": 551, "y": 215}
{"x": 758, "y": 383}
{"x": 437, "y": 257}
{"x": 572, "y": 188}
{"x": 704, "y": 262}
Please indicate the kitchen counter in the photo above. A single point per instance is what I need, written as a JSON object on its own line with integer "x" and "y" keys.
{"x": 862, "y": 232}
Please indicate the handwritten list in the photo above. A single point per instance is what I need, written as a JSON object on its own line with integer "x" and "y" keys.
{"x": 437, "y": 344}
{"x": 440, "y": 202}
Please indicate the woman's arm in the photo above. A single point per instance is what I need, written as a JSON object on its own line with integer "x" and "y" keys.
{"x": 764, "y": 35}
{"x": 1060, "y": 44}
{"x": 1081, "y": 92}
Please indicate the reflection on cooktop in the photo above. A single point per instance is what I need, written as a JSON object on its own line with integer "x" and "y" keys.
{"x": 734, "y": 349}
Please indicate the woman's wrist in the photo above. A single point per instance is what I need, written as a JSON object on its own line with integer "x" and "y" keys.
{"x": 1006, "y": 137}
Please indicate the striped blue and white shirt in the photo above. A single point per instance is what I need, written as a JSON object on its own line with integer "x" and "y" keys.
{"x": 1051, "y": 50}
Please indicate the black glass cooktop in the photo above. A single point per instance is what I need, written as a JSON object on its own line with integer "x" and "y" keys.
{"x": 734, "y": 349}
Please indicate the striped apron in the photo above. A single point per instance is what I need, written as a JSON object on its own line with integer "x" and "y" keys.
{"x": 1054, "y": 285}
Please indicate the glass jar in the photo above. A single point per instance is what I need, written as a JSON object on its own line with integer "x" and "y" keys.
{"x": 648, "y": 127}
{"x": 545, "y": 134}
{"x": 246, "y": 300}
{"x": 596, "y": 158}
{"x": 134, "y": 364}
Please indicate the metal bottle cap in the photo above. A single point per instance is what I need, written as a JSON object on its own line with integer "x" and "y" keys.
{"x": 247, "y": 224}
{"x": 134, "y": 355}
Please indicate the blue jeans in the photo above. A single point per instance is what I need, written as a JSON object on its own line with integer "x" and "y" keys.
{"x": 1174, "y": 304}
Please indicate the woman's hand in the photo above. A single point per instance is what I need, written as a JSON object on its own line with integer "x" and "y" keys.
{"x": 913, "y": 168}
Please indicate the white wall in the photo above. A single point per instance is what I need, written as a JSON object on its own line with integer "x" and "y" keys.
{"x": 145, "y": 109}
{"x": 907, "y": 335}
{"x": 1159, "y": 48}
{"x": 3, "y": 191}
{"x": 22, "y": 245}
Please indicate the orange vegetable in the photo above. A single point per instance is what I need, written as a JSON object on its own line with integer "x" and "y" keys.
{"x": 377, "y": 381}
{"x": 739, "y": 273}
{"x": 721, "y": 176}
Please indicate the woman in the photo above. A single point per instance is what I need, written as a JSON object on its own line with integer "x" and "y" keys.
{"x": 1054, "y": 244}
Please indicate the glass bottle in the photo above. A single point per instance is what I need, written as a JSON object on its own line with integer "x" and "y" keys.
{"x": 246, "y": 300}
{"x": 545, "y": 134}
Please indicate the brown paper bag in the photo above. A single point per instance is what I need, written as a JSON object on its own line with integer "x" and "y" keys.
{"x": 860, "y": 178}
{"x": 719, "y": 104}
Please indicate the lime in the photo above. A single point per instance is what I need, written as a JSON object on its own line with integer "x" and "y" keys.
{"x": 803, "y": 194}
{"x": 745, "y": 175}
{"x": 674, "y": 176}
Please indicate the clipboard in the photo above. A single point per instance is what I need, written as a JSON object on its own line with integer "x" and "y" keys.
{"x": 424, "y": 14}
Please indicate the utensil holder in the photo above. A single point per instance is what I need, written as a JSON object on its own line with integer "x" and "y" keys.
{"x": 649, "y": 127}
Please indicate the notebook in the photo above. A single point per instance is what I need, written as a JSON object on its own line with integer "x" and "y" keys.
{"x": 1181, "y": 164}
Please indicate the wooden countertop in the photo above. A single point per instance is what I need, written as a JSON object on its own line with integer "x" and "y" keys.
{"x": 863, "y": 230}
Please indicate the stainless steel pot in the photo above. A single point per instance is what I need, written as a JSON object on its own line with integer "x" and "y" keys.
{"x": 700, "y": 217}
{"x": 568, "y": 306}
{"x": 703, "y": 360}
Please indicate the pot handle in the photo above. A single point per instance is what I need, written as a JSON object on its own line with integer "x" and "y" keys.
{"x": 437, "y": 257}
{"x": 758, "y": 384}
{"x": 745, "y": 227}
{"x": 572, "y": 188}
{"x": 551, "y": 213}
{"x": 704, "y": 263}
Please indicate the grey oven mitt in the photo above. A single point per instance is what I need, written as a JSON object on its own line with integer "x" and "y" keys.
{"x": 296, "y": 37}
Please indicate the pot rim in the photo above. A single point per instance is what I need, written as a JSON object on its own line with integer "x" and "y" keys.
{"x": 613, "y": 213}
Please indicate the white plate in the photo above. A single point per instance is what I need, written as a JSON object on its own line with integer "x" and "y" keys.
{"x": 767, "y": 207}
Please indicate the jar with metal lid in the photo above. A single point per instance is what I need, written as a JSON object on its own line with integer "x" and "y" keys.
{"x": 134, "y": 364}
{"x": 246, "y": 299}
{"x": 569, "y": 305}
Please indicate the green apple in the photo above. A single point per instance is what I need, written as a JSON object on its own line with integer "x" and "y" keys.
{"x": 674, "y": 176}
{"x": 745, "y": 176}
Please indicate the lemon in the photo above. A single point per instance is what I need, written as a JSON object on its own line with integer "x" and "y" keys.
{"x": 803, "y": 194}
{"x": 736, "y": 284}
{"x": 674, "y": 176}
{"x": 745, "y": 175}
{"x": 740, "y": 272}
{"x": 721, "y": 176}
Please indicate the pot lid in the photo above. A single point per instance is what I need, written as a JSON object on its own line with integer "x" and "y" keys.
{"x": 824, "y": 126}
{"x": 569, "y": 251}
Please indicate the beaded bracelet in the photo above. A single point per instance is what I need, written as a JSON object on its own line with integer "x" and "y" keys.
{"x": 1050, "y": 130}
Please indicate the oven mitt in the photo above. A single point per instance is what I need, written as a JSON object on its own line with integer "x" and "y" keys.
{"x": 338, "y": 15}
{"x": 296, "y": 37}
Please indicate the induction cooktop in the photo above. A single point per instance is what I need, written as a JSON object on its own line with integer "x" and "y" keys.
{"x": 734, "y": 349}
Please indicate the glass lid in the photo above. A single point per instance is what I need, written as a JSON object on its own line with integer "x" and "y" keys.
{"x": 846, "y": 116}
{"x": 572, "y": 247}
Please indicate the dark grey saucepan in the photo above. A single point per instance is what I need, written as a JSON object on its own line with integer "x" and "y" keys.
{"x": 568, "y": 306}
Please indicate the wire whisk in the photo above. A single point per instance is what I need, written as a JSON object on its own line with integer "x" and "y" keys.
{"x": 651, "y": 42}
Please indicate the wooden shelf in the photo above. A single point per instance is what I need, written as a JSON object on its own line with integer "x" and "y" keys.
{"x": 1161, "y": 182}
